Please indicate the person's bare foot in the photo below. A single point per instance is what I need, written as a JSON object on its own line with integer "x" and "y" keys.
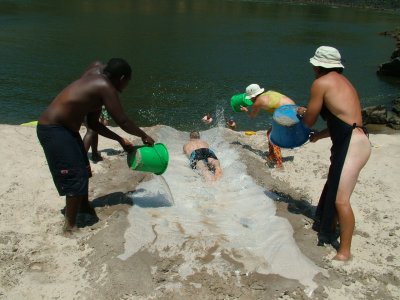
{"x": 342, "y": 257}
{"x": 69, "y": 230}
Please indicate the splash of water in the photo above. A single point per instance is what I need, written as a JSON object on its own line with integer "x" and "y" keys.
{"x": 220, "y": 116}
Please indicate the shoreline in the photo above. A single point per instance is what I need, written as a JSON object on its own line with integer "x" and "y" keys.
{"x": 377, "y": 5}
{"x": 35, "y": 256}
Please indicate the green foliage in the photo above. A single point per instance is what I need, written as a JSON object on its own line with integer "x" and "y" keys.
{"x": 379, "y": 4}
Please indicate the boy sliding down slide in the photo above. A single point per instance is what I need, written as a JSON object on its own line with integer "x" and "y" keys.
{"x": 202, "y": 158}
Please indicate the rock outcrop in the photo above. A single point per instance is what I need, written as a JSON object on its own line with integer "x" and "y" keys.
{"x": 392, "y": 67}
{"x": 380, "y": 114}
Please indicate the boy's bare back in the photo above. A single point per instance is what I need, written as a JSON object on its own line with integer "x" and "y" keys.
{"x": 194, "y": 144}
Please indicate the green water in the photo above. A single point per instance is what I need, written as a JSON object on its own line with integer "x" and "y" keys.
{"x": 188, "y": 57}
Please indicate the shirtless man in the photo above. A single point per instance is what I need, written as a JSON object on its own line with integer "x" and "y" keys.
{"x": 268, "y": 101}
{"x": 336, "y": 100}
{"x": 202, "y": 158}
{"x": 58, "y": 131}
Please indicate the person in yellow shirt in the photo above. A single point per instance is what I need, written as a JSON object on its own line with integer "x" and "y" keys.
{"x": 268, "y": 101}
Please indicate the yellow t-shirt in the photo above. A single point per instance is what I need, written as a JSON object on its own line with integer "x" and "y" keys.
{"x": 274, "y": 100}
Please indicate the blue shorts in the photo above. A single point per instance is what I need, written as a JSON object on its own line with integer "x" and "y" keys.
{"x": 201, "y": 154}
{"x": 67, "y": 159}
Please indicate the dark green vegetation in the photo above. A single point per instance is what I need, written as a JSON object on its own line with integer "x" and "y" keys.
{"x": 378, "y": 4}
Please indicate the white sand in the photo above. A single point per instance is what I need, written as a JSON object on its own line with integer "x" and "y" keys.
{"x": 376, "y": 206}
{"x": 37, "y": 262}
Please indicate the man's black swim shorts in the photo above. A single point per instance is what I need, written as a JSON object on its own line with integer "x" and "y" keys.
{"x": 67, "y": 159}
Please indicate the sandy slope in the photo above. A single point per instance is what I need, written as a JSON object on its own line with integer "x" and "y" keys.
{"x": 37, "y": 262}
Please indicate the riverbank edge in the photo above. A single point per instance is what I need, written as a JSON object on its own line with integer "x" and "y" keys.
{"x": 379, "y": 5}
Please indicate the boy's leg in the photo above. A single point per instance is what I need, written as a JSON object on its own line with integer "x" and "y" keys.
{"x": 95, "y": 153}
{"x": 91, "y": 140}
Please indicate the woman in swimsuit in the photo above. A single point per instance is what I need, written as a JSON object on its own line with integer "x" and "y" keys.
{"x": 336, "y": 100}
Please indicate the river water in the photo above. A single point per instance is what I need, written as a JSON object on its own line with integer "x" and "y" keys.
{"x": 188, "y": 57}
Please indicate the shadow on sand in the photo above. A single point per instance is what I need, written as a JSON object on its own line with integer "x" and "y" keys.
{"x": 113, "y": 199}
{"x": 295, "y": 206}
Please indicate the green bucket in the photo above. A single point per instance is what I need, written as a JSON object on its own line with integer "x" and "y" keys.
{"x": 240, "y": 100}
{"x": 149, "y": 159}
